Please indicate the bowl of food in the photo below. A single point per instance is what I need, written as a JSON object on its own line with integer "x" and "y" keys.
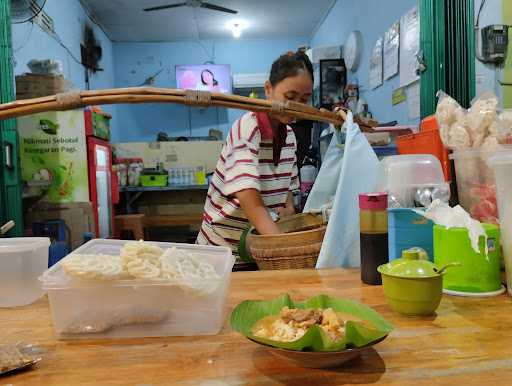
{"x": 320, "y": 332}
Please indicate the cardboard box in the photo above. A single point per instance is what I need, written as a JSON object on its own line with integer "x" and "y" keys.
{"x": 78, "y": 216}
{"x": 36, "y": 85}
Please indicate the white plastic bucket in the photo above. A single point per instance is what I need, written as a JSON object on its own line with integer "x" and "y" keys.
{"x": 501, "y": 162}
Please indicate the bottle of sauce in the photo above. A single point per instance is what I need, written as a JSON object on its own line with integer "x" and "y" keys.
{"x": 373, "y": 220}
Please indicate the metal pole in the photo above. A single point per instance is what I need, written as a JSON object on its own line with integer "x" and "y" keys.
{"x": 10, "y": 181}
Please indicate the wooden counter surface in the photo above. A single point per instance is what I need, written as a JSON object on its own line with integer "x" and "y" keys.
{"x": 468, "y": 342}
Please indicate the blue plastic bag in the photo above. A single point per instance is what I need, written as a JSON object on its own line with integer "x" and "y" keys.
{"x": 344, "y": 174}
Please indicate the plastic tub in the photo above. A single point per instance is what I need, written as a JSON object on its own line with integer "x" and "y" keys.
{"x": 401, "y": 175}
{"x": 502, "y": 165}
{"x": 478, "y": 272}
{"x": 134, "y": 308}
{"x": 22, "y": 261}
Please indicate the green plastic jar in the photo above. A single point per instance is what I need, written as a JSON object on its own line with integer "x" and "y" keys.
{"x": 477, "y": 273}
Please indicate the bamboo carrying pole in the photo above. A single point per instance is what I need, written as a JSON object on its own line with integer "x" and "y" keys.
{"x": 76, "y": 99}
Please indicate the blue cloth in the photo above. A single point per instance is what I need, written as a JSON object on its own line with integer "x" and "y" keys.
{"x": 344, "y": 174}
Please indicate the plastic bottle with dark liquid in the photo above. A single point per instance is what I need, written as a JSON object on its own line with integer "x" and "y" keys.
{"x": 373, "y": 220}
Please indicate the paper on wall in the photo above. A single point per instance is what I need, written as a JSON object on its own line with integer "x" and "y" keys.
{"x": 391, "y": 50}
{"x": 376, "y": 65}
{"x": 413, "y": 100}
{"x": 409, "y": 46}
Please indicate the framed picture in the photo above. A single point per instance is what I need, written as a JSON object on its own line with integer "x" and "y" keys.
{"x": 333, "y": 79}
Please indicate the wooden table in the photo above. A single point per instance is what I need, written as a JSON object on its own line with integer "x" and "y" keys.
{"x": 468, "y": 342}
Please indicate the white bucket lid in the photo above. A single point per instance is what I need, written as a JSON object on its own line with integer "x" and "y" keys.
{"x": 500, "y": 158}
{"x": 22, "y": 244}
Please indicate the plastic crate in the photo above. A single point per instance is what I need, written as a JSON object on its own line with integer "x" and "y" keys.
{"x": 427, "y": 141}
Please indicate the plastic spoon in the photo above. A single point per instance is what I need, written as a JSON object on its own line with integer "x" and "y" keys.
{"x": 442, "y": 270}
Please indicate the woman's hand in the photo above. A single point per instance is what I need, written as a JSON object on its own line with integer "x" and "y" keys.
{"x": 256, "y": 212}
{"x": 289, "y": 209}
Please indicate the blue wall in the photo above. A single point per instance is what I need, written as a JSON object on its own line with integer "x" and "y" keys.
{"x": 372, "y": 18}
{"x": 31, "y": 42}
{"x": 134, "y": 62}
{"x": 487, "y": 76}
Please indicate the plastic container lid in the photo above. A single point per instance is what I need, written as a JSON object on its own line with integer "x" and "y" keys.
{"x": 410, "y": 170}
{"x": 500, "y": 158}
{"x": 373, "y": 201}
{"x": 21, "y": 244}
{"x": 501, "y": 150}
{"x": 469, "y": 153}
{"x": 414, "y": 263}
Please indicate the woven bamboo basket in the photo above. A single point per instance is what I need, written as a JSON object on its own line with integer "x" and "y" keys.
{"x": 297, "y": 247}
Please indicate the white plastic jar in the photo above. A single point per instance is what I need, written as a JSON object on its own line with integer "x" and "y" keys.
{"x": 22, "y": 261}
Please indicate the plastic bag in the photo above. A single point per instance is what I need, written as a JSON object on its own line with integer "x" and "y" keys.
{"x": 324, "y": 188}
{"x": 481, "y": 115}
{"x": 448, "y": 109}
{"x": 501, "y": 129}
{"x": 482, "y": 126}
{"x": 344, "y": 175}
{"x": 452, "y": 121}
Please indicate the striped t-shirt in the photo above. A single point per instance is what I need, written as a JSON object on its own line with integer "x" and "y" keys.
{"x": 247, "y": 162}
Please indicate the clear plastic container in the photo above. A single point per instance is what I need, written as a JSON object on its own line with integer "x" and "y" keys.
{"x": 476, "y": 185}
{"x": 22, "y": 261}
{"x": 401, "y": 175}
{"x": 502, "y": 165}
{"x": 134, "y": 308}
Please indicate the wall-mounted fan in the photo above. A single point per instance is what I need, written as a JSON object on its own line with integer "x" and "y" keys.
{"x": 91, "y": 50}
{"x": 23, "y": 11}
{"x": 193, "y": 4}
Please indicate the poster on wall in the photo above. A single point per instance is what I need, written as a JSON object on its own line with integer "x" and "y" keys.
{"x": 391, "y": 50}
{"x": 409, "y": 46}
{"x": 376, "y": 65}
{"x": 53, "y": 154}
{"x": 413, "y": 100}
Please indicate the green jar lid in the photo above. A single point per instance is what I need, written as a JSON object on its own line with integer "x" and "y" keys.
{"x": 414, "y": 263}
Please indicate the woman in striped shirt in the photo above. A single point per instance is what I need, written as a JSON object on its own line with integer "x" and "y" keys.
{"x": 257, "y": 169}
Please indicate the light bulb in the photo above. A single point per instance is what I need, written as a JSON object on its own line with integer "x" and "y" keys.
{"x": 237, "y": 32}
{"x": 236, "y": 27}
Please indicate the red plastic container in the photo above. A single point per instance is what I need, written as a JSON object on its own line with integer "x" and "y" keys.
{"x": 427, "y": 141}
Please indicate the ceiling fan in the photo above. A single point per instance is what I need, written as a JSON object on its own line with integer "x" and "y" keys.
{"x": 193, "y": 4}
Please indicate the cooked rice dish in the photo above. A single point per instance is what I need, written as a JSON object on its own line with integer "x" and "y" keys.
{"x": 292, "y": 323}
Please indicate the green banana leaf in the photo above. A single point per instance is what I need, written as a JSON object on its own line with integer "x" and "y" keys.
{"x": 247, "y": 313}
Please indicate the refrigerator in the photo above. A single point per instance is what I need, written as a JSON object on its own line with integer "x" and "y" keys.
{"x": 63, "y": 161}
{"x": 101, "y": 184}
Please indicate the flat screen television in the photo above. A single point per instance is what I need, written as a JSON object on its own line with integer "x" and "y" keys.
{"x": 206, "y": 77}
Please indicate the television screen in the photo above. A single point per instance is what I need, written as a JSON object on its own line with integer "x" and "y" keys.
{"x": 207, "y": 77}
